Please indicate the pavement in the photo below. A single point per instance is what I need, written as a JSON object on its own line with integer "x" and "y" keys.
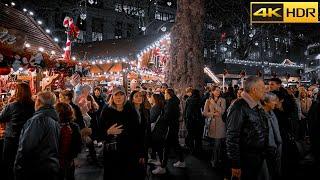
{"x": 197, "y": 168}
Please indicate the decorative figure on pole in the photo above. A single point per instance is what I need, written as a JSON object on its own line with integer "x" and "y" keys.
{"x": 72, "y": 32}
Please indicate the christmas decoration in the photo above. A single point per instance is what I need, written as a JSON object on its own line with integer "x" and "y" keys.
{"x": 4, "y": 68}
{"x": 91, "y": 1}
{"x": 5, "y": 37}
{"x": 72, "y": 34}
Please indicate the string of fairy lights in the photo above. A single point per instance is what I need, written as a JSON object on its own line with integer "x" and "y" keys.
{"x": 258, "y": 63}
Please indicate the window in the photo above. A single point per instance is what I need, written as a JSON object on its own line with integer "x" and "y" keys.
{"x": 130, "y": 30}
{"x": 81, "y": 38}
{"x": 118, "y": 30}
{"x": 163, "y": 16}
{"x": 96, "y": 36}
{"x": 131, "y": 10}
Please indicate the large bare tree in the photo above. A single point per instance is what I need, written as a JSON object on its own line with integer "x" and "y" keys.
{"x": 185, "y": 67}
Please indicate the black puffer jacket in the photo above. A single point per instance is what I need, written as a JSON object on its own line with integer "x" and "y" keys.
{"x": 37, "y": 155}
{"x": 15, "y": 115}
{"x": 247, "y": 133}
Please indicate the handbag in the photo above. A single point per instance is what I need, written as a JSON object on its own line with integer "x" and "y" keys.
{"x": 154, "y": 124}
{"x": 160, "y": 130}
{"x": 206, "y": 127}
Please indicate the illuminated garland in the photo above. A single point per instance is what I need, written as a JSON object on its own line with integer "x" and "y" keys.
{"x": 257, "y": 63}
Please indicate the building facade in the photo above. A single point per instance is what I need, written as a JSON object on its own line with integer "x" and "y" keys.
{"x": 101, "y": 20}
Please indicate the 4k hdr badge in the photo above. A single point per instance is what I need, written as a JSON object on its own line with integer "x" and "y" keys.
{"x": 284, "y": 12}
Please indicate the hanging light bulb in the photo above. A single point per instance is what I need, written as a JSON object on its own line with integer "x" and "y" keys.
{"x": 91, "y": 1}
{"x": 143, "y": 28}
{"x": 163, "y": 29}
{"x": 83, "y": 16}
{"x": 169, "y": 3}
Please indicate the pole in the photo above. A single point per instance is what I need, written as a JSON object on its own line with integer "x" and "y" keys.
{"x": 223, "y": 82}
{"x": 242, "y": 79}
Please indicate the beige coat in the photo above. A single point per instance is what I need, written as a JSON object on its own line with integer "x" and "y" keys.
{"x": 215, "y": 110}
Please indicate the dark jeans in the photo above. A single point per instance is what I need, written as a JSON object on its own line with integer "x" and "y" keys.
{"x": 10, "y": 148}
{"x": 121, "y": 165}
{"x": 217, "y": 153}
{"x": 38, "y": 174}
{"x": 160, "y": 149}
{"x": 67, "y": 172}
{"x": 92, "y": 151}
{"x": 1, "y": 159}
{"x": 194, "y": 137}
{"x": 173, "y": 142}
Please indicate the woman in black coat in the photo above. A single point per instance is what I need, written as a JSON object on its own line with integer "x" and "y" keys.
{"x": 313, "y": 116}
{"x": 194, "y": 121}
{"x": 122, "y": 148}
{"x": 15, "y": 114}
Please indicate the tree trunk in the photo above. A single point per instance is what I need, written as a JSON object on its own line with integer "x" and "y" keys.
{"x": 186, "y": 63}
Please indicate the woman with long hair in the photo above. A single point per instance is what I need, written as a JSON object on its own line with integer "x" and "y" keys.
{"x": 70, "y": 140}
{"x": 158, "y": 124}
{"x": 122, "y": 148}
{"x": 15, "y": 114}
{"x": 214, "y": 109}
{"x": 137, "y": 100}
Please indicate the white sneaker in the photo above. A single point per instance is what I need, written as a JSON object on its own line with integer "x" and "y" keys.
{"x": 154, "y": 162}
{"x": 179, "y": 164}
{"x": 159, "y": 170}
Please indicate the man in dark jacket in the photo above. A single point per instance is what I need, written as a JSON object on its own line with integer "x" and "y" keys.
{"x": 37, "y": 156}
{"x": 247, "y": 133}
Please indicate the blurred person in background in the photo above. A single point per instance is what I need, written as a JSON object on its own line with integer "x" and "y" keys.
{"x": 214, "y": 108}
{"x": 70, "y": 140}
{"x": 38, "y": 152}
{"x": 15, "y": 115}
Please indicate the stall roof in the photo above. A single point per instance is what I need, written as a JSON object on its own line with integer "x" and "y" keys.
{"x": 114, "y": 47}
{"x": 27, "y": 29}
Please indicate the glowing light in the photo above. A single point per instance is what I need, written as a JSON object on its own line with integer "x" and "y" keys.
{"x": 53, "y": 52}
{"x": 13, "y": 4}
{"x": 73, "y": 58}
{"x": 56, "y": 39}
{"x": 39, "y": 22}
{"x": 31, "y": 13}
{"x": 48, "y": 31}
{"x": 41, "y": 49}
{"x": 27, "y": 45}
{"x": 25, "y": 10}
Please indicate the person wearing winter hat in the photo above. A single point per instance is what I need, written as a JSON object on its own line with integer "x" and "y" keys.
{"x": 119, "y": 124}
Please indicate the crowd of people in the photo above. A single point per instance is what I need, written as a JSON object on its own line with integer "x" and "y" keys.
{"x": 256, "y": 132}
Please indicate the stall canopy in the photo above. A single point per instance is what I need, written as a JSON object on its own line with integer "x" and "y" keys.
{"x": 25, "y": 29}
{"x": 110, "y": 68}
{"x": 115, "y": 48}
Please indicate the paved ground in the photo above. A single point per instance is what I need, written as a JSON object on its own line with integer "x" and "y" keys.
{"x": 197, "y": 169}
